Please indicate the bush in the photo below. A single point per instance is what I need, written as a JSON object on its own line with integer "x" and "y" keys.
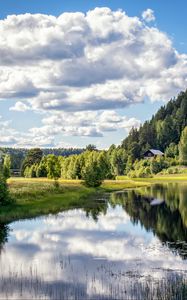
{"x": 4, "y": 192}
{"x": 145, "y": 172}
{"x": 132, "y": 174}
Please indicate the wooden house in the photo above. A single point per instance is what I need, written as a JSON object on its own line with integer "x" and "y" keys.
{"x": 153, "y": 153}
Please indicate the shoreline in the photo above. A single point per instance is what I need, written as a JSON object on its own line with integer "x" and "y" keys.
{"x": 34, "y": 197}
{"x": 37, "y": 197}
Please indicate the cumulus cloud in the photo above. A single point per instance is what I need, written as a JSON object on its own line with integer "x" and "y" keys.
{"x": 148, "y": 15}
{"x": 84, "y": 124}
{"x": 87, "y": 67}
{"x": 99, "y": 60}
{"x": 20, "y": 106}
{"x": 93, "y": 124}
{"x": 12, "y": 138}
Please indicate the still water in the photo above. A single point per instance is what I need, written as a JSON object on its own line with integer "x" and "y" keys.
{"x": 131, "y": 245}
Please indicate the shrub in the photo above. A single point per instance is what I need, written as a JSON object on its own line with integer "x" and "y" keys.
{"x": 132, "y": 174}
{"x": 145, "y": 172}
{"x": 4, "y": 192}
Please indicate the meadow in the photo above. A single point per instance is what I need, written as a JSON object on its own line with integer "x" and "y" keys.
{"x": 34, "y": 197}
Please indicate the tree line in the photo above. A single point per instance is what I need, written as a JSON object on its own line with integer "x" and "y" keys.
{"x": 92, "y": 166}
{"x": 18, "y": 154}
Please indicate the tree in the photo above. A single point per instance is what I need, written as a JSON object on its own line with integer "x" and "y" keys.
{"x": 104, "y": 163}
{"x": 183, "y": 147}
{"x": 53, "y": 167}
{"x": 91, "y": 147}
{"x": 92, "y": 172}
{"x": 172, "y": 150}
{"x": 135, "y": 151}
{"x": 33, "y": 156}
{"x": 6, "y": 166}
{"x": 118, "y": 160}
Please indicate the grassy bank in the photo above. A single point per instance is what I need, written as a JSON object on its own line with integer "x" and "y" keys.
{"x": 35, "y": 197}
{"x": 157, "y": 178}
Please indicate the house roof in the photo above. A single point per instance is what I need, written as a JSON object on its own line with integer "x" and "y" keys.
{"x": 156, "y": 152}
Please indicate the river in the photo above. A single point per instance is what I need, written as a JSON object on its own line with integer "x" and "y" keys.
{"x": 131, "y": 245}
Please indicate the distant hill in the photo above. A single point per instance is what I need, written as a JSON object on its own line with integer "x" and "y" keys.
{"x": 18, "y": 154}
{"x": 164, "y": 128}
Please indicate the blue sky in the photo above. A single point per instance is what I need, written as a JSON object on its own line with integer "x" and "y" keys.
{"x": 93, "y": 85}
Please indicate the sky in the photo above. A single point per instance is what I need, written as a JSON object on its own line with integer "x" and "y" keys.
{"x": 79, "y": 72}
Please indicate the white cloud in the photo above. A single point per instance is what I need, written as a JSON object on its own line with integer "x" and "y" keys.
{"x": 20, "y": 106}
{"x": 88, "y": 123}
{"x": 12, "y": 138}
{"x": 80, "y": 69}
{"x": 148, "y": 15}
{"x": 99, "y": 60}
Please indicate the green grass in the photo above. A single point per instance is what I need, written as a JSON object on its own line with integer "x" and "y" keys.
{"x": 36, "y": 197}
{"x": 116, "y": 185}
{"x": 166, "y": 177}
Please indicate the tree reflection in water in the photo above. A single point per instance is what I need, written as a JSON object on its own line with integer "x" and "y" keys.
{"x": 168, "y": 221}
{"x": 4, "y": 229}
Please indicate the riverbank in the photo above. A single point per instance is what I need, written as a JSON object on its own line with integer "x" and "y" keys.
{"x": 157, "y": 178}
{"x": 36, "y": 197}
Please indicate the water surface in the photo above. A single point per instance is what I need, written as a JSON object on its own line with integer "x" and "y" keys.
{"x": 130, "y": 246}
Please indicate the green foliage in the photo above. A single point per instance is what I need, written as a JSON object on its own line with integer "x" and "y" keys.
{"x": 33, "y": 156}
{"x": 158, "y": 164}
{"x": 93, "y": 174}
{"x": 174, "y": 170}
{"x": 41, "y": 170}
{"x": 6, "y": 166}
{"x": 148, "y": 167}
{"x": 161, "y": 132}
{"x": 172, "y": 150}
{"x": 118, "y": 160}
{"x": 53, "y": 166}
{"x": 183, "y": 147}
{"x": 18, "y": 154}
{"x": 91, "y": 147}
{"x": 4, "y": 192}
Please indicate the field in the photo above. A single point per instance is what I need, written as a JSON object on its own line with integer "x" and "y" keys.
{"x": 35, "y": 197}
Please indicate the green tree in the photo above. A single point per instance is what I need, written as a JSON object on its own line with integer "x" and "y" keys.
{"x": 183, "y": 147}
{"x": 6, "y": 166}
{"x": 53, "y": 166}
{"x": 135, "y": 151}
{"x": 118, "y": 160}
{"x": 172, "y": 150}
{"x": 92, "y": 172}
{"x": 91, "y": 147}
{"x": 33, "y": 156}
{"x": 104, "y": 163}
